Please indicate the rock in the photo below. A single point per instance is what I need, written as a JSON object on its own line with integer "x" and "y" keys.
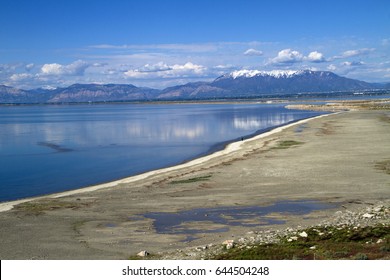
{"x": 143, "y": 254}
{"x": 303, "y": 234}
{"x": 379, "y": 241}
{"x": 312, "y": 247}
{"x": 338, "y": 213}
{"x": 368, "y": 216}
{"x": 292, "y": 238}
{"x": 229, "y": 244}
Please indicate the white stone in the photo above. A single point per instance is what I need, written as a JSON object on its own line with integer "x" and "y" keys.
{"x": 143, "y": 254}
{"x": 368, "y": 216}
{"x": 229, "y": 246}
{"x": 302, "y": 234}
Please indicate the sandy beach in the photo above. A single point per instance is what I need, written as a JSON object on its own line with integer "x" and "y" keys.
{"x": 340, "y": 160}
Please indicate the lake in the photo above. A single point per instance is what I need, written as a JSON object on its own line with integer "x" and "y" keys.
{"x": 53, "y": 148}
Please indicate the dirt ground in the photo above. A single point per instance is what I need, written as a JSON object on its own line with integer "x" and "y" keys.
{"x": 341, "y": 160}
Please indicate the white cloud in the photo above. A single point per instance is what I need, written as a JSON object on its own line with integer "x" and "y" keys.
{"x": 332, "y": 67}
{"x": 21, "y": 77}
{"x": 161, "y": 66}
{"x": 316, "y": 57}
{"x": 76, "y": 68}
{"x": 353, "y": 63}
{"x": 8, "y": 68}
{"x": 52, "y": 69}
{"x": 253, "y": 52}
{"x": 162, "y": 70}
{"x": 98, "y": 64}
{"x": 287, "y": 56}
{"x": 136, "y": 74}
{"x": 29, "y": 66}
{"x": 353, "y": 53}
{"x": 225, "y": 67}
{"x": 188, "y": 68}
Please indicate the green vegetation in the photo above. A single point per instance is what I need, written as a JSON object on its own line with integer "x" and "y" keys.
{"x": 149, "y": 256}
{"x": 76, "y": 226}
{"x": 287, "y": 144}
{"x": 37, "y": 207}
{"x": 192, "y": 180}
{"x": 326, "y": 243}
{"x": 384, "y": 166}
{"x": 385, "y": 118}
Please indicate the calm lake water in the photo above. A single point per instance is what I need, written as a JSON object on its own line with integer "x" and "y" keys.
{"x": 53, "y": 148}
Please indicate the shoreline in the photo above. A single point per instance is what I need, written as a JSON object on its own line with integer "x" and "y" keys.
{"x": 229, "y": 148}
{"x": 340, "y": 160}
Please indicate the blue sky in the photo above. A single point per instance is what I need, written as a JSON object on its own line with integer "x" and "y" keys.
{"x": 163, "y": 43}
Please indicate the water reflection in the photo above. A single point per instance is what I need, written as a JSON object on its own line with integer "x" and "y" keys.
{"x": 186, "y": 222}
{"x": 253, "y": 123}
{"x": 127, "y": 128}
{"x": 107, "y": 142}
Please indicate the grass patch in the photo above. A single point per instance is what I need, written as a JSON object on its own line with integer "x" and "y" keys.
{"x": 76, "y": 226}
{"x": 138, "y": 258}
{"x": 385, "y": 118}
{"x": 287, "y": 144}
{"x": 384, "y": 166}
{"x": 192, "y": 180}
{"x": 326, "y": 243}
{"x": 37, "y": 207}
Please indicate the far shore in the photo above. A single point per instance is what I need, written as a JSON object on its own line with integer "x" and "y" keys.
{"x": 339, "y": 159}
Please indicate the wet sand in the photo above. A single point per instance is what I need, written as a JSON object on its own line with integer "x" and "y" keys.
{"x": 336, "y": 160}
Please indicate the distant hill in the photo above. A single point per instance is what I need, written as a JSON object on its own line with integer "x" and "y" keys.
{"x": 249, "y": 83}
{"x": 238, "y": 84}
{"x": 96, "y": 92}
{"x": 78, "y": 93}
{"x": 258, "y": 82}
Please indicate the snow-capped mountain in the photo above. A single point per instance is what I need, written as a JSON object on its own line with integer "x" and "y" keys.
{"x": 254, "y": 82}
{"x": 237, "y": 84}
{"x": 274, "y": 73}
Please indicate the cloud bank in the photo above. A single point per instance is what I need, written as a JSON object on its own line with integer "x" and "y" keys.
{"x": 161, "y": 65}
{"x": 163, "y": 70}
{"x": 76, "y": 68}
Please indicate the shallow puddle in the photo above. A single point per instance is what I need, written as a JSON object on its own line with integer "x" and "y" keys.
{"x": 213, "y": 220}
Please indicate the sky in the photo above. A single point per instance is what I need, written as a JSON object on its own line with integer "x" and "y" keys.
{"x": 157, "y": 44}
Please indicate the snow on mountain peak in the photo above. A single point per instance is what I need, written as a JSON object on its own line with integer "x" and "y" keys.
{"x": 273, "y": 73}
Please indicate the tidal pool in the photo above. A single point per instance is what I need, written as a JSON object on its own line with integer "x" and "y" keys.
{"x": 219, "y": 219}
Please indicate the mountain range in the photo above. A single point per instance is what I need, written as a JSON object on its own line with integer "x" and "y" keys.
{"x": 238, "y": 84}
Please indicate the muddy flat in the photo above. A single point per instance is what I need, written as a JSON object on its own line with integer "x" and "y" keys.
{"x": 294, "y": 176}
